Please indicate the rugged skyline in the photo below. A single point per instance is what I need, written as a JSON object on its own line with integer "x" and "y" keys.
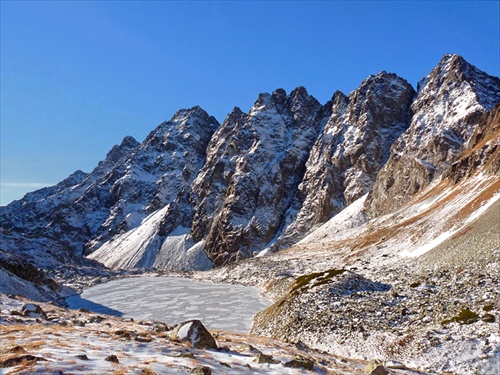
{"x": 197, "y": 194}
{"x": 125, "y": 66}
{"x": 371, "y": 222}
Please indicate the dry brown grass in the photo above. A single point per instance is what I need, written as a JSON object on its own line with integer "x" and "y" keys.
{"x": 484, "y": 196}
{"x": 25, "y": 366}
{"x": 34, "y": 345}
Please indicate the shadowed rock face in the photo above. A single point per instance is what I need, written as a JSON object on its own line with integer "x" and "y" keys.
{"x": 482, "y": 151}
{"x": 255, "y": 163}
{"x": 448, "y": 106}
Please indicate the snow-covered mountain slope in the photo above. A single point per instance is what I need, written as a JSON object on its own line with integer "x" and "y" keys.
{"x": 196, "y": 194}
{"x": 134, "y": 180}
{"x": 446, "y": 110}
{"x": 157, "y": 175}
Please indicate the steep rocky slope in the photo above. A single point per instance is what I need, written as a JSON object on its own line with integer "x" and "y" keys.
{"x": 350, "y": 151}
{"x": 446, "y": 110}
{"x": 196, "y": 194}
{"x": 255, "y": 163}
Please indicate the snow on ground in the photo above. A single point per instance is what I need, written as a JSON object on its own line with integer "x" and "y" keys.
{"x": 137, "y": 247}
{"x": 346, "y": 224}
{"x": 79, "y": 342}
{"x": 11, "y": 284}
{"x": 173, "y": 299}
{"x": 432, "y": 217}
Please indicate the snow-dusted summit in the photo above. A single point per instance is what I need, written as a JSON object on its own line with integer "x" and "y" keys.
{"x": 446, "y": 110}
{"x": 195, "y": 193}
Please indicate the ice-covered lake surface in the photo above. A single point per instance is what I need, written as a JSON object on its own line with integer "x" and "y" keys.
{"x": 173, "y": 300}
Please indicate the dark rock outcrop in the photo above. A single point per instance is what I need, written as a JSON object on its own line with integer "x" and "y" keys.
{"x": 482, "y": 151}
{"x": 255, "y": 163}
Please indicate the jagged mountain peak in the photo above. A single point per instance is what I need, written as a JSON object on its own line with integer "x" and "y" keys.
{"x": 453, "y": 72}
{"x": 279, "y": 95}
{"x": 287, "y": 165}
{"x": 129, "y": 142}
{"x": 188, "y": 112}
{"x": 299, "y": 92}
{"x": 449, "y": 103}
{"x": 338, "y": 95}
{"x": 236, "y": 111}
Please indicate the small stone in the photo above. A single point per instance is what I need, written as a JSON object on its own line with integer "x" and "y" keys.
{"x": 27, "y": 358}
{"x": 15, "y": 350}
{"x": 395, "y": 365}
{"x": 264, "y": 358}
{"x": 202, "y": 370}
{"x": 249, "y": 349}
{"x": 33, "y": 311}
{"x": 375, "y": 367}
{"x": 83, "y": 357}
{"x": 186, "y": 355}
{"x": 96, "y": 319}
{"x": 488, "y": 318}
{"x": 112, "y": 358}
{"x": 300, "y": 362}
{"x": 144, "y": 339}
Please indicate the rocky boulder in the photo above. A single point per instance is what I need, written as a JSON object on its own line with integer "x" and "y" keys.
{"x": 33, "y": 311}
{"x": 194, "y": 333}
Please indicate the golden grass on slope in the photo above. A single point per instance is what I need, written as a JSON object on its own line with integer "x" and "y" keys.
{"x": 485, "y": 195}
{"x": 25, "y": 367}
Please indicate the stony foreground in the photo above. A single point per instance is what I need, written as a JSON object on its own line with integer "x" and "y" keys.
{"x": 45, "y": 339}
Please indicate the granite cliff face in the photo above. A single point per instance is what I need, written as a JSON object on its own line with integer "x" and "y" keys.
{"x": 350, "y": 151}
{"x": 446, "y": 110}
{"x": 255, "y": 163}
{"x": 196, "y": 194}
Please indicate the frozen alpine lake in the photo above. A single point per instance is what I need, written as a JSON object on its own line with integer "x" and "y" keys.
{"x": 173, "y": 300}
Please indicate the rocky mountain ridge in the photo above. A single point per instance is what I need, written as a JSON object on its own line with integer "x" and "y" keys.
{"x": 196, "y": 194}
{"x": 384, "y": 206}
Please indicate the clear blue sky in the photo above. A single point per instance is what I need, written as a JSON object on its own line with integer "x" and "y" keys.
{"x": 76, "y": 77}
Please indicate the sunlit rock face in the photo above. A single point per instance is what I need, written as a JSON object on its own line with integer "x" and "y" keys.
{"x": 197, "y": 194}
{"x": 350, "y": 151}
{"x": 446, "y": 110}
